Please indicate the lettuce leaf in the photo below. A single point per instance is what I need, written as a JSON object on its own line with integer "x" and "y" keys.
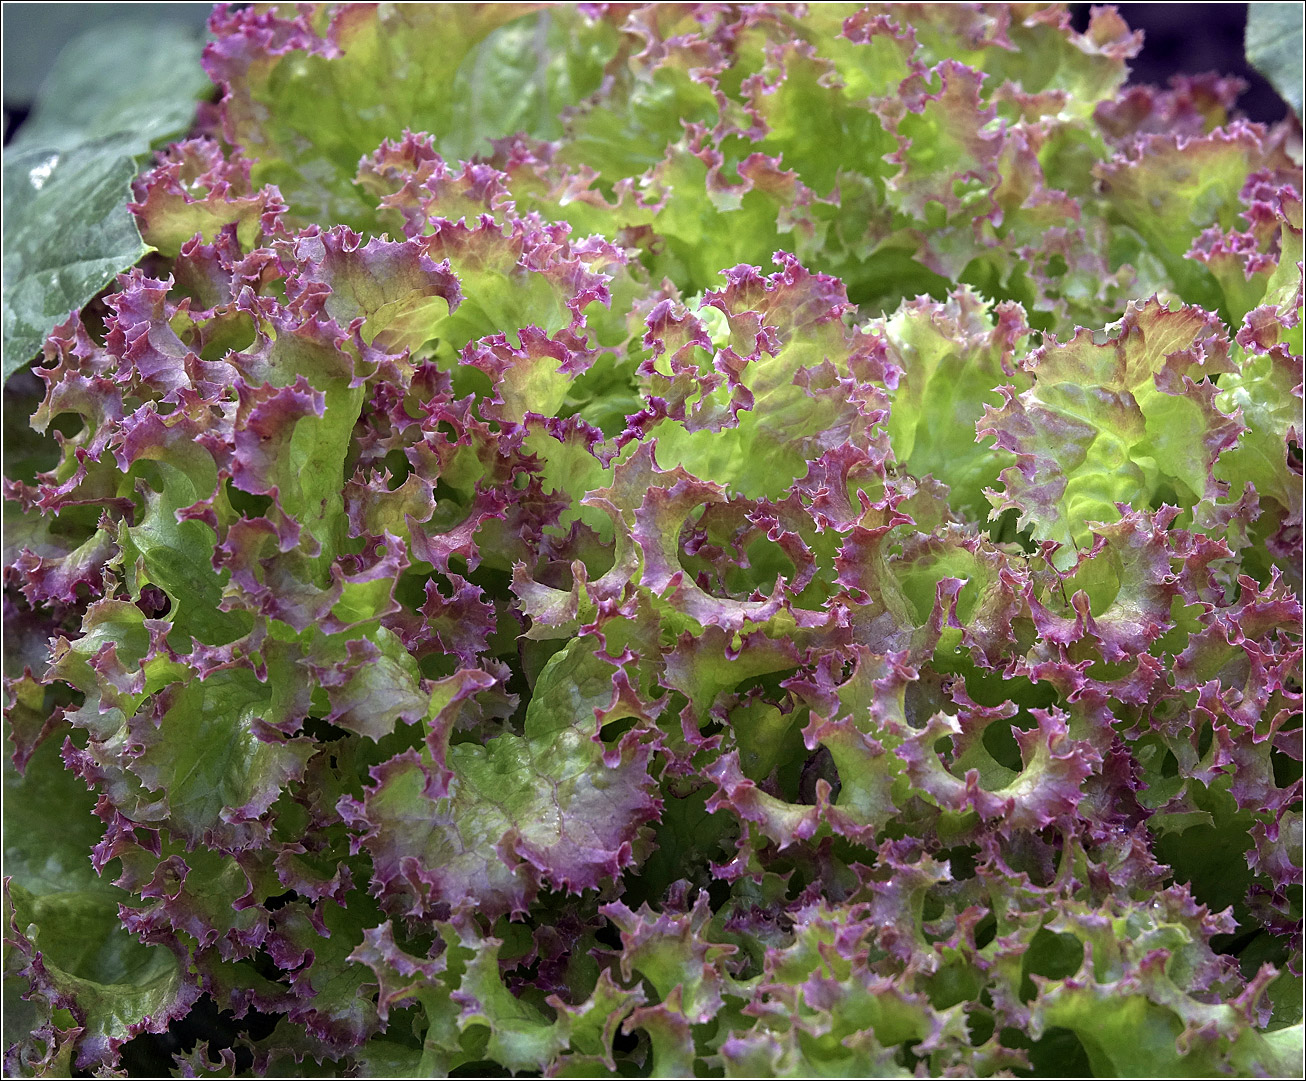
{"x": 669, "y": 540}
{"x": 67, "y": 230}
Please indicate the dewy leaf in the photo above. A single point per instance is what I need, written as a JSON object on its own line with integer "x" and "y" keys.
{"x": 1274, "y": 48}
{"x": 67, "y": 230}
{"x": 67, "y": 233}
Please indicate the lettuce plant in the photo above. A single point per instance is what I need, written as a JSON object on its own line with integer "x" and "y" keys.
{"x": 670, "y": 540}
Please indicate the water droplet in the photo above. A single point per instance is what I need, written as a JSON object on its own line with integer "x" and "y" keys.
{"x": 39, "y": 174}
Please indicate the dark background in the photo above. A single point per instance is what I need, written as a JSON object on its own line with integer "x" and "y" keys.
{"x": 1180, "y": 39}
{"x": 1189, "y": 39}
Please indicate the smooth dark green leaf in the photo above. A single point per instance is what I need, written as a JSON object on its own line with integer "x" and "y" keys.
{"x": 67, "y": 230}
{"x": 67, "y": 233}
{"x": 150, "y": 95}
{"x": 1274, "y": 48}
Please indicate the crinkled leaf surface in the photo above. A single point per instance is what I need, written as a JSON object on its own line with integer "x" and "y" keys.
{"x": 544, "y": 807}
{"x": 670, "y": 540}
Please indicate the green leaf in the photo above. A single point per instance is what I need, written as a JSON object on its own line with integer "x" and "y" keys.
{"x": 91, "y": 965}
{"x": 1179, "y": 188}
{"x": 1274, "y": 48}
{"x": 1133, "y": 1036}
{"x": 520, "y": 1036}
{"x": 1117, "y": 421}
{"x": 307, "y": 115}
{"x": 207, "y": 755}
{"x": 563, "y": 806}
{"x": 50, "y": 827}
{"x": 952, "y": 355}
{"x": 156, "y": 79}
{"x": 67, "y": 233}
{"x": 177, "y": 555}
{"x": 788, "y": 407}
{"x": 67, "y": 179}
